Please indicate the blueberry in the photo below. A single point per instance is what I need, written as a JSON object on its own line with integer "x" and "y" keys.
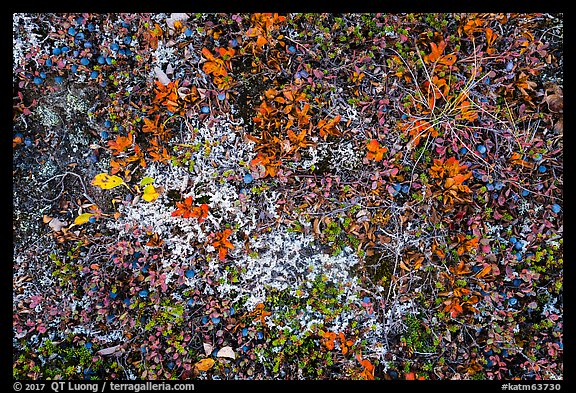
{"x": 397, "y": 186}
{"x": 291, "y": 49}
{"x": 28, "y": 141}
{"x": 504, "y": 353}
{"x": 110, "y": 317}
{"x": 90, "y": 27}
{"x": 79, "y": 20}
{"x": 109, "y": 60}
{"x": 92, "y": 158}
{"x": 556, "y": 208}
{"x": 490, "y": 187}
{"x": 245, "y": 332}
{"x": 498, "y": 185}
{"x": 393, "y": 374}
{"x": 127, "y": 40}
{"x": 525, "y": 193}
{"x": 88, "y": 345}
{"x": 127, "y": 301}
{"x": 542, "y": 169}
{"x": 245, "y": 348}
{"x": 518, "y": 256}
{"x": 114, "y": 46}
{"x": 144, "y": 269}
{"x": 509, "y": 66}
{"x": 489, "y": 353}
{"x": 65, "y": 49}
{"x": 101, "y": 59}
{"x": 38, "y": 80}
{"x": 104, "y": 135}
{"x": 260, "y": 335}
{"x": 222, "y": 96}
{"x": 537, "y": 157}
{"x": 518, "y": 245}
{"x": 19, "y": 135}
{"x": 204, "y": 320}
{"x": 232, "y": 311}
{"x": 71, "y": 31}
{"x": 87, "y": 45}
{"x": 94, "y": 74}
{"x": 92, "y": 220}
{"x": 79, "y": 36}
{"x": 366, "y": 299}
{"x": 463, "y": 150}
{"x": 304, "y": 74}
{"x": 127, "y": 52}
{"x": 58, "y": 79}
{"x": 513, "y": 240}
{"x": 205, "y": 109}
{"x": 188, "y": 32}
{"x": 404, "y": 116}
{"x": 122, "y": 52}
{"x": 190, "y": 273}
{"x": 248, "y": 178}
{"x": 143, "y": 293}
{"x": 56, "y": 51}
{"x": 516, "y": 282}
{"x": 512, "y": 301}
{"x": 190, "y": 302}
{"x": 405, "y": 188}
{"x": 107, "y": 124}
{"x": 215, "y": 320}
{"x": 489, "y": 363}
{"x": 143, "y": 349}
{"x": 481, "y": 149}
{"x": 84, "y": 61}
{"x": 476, "y": 269}
{"x": 243, "y": 191}
{"x": 234, "y": 43}
{"x": 170, "y": 365}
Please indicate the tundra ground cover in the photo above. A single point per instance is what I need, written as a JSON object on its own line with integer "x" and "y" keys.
{"x": 288, "y": 196}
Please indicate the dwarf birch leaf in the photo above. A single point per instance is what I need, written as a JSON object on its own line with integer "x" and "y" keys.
{"x": 82, "y": 218}
{"x": 106, "y": 182}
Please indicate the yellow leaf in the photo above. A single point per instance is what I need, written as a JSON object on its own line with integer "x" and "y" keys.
{"x": 204, "y": 364}
{"x": 82, "y": 218}
{"x": 150, "y": 193}
{"x": 105, "y": 181}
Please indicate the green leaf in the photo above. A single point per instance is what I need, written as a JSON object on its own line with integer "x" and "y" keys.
{"x": 146, "y": 180}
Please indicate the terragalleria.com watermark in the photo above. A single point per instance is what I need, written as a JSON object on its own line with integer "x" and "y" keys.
{"x": 95, "y": 387}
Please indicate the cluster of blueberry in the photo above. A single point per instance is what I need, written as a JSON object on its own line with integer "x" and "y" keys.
{"x": 83, "y": 54}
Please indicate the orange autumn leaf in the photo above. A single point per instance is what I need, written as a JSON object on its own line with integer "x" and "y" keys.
{"x": 222, "y": 244}
{"x": 155, "y": 241}
{"x": 368, "y": 372}
{"x": 375, "y": 152}
{"x": 410, "y": 376}
{"x": 187, "y": 210}
{"x": 436, "y": 51}
{"x": 120, "y": 144}
{"x": 270, "y": 164}
{"x": 204, "y": 364}
{"x": 328, "y": 127}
